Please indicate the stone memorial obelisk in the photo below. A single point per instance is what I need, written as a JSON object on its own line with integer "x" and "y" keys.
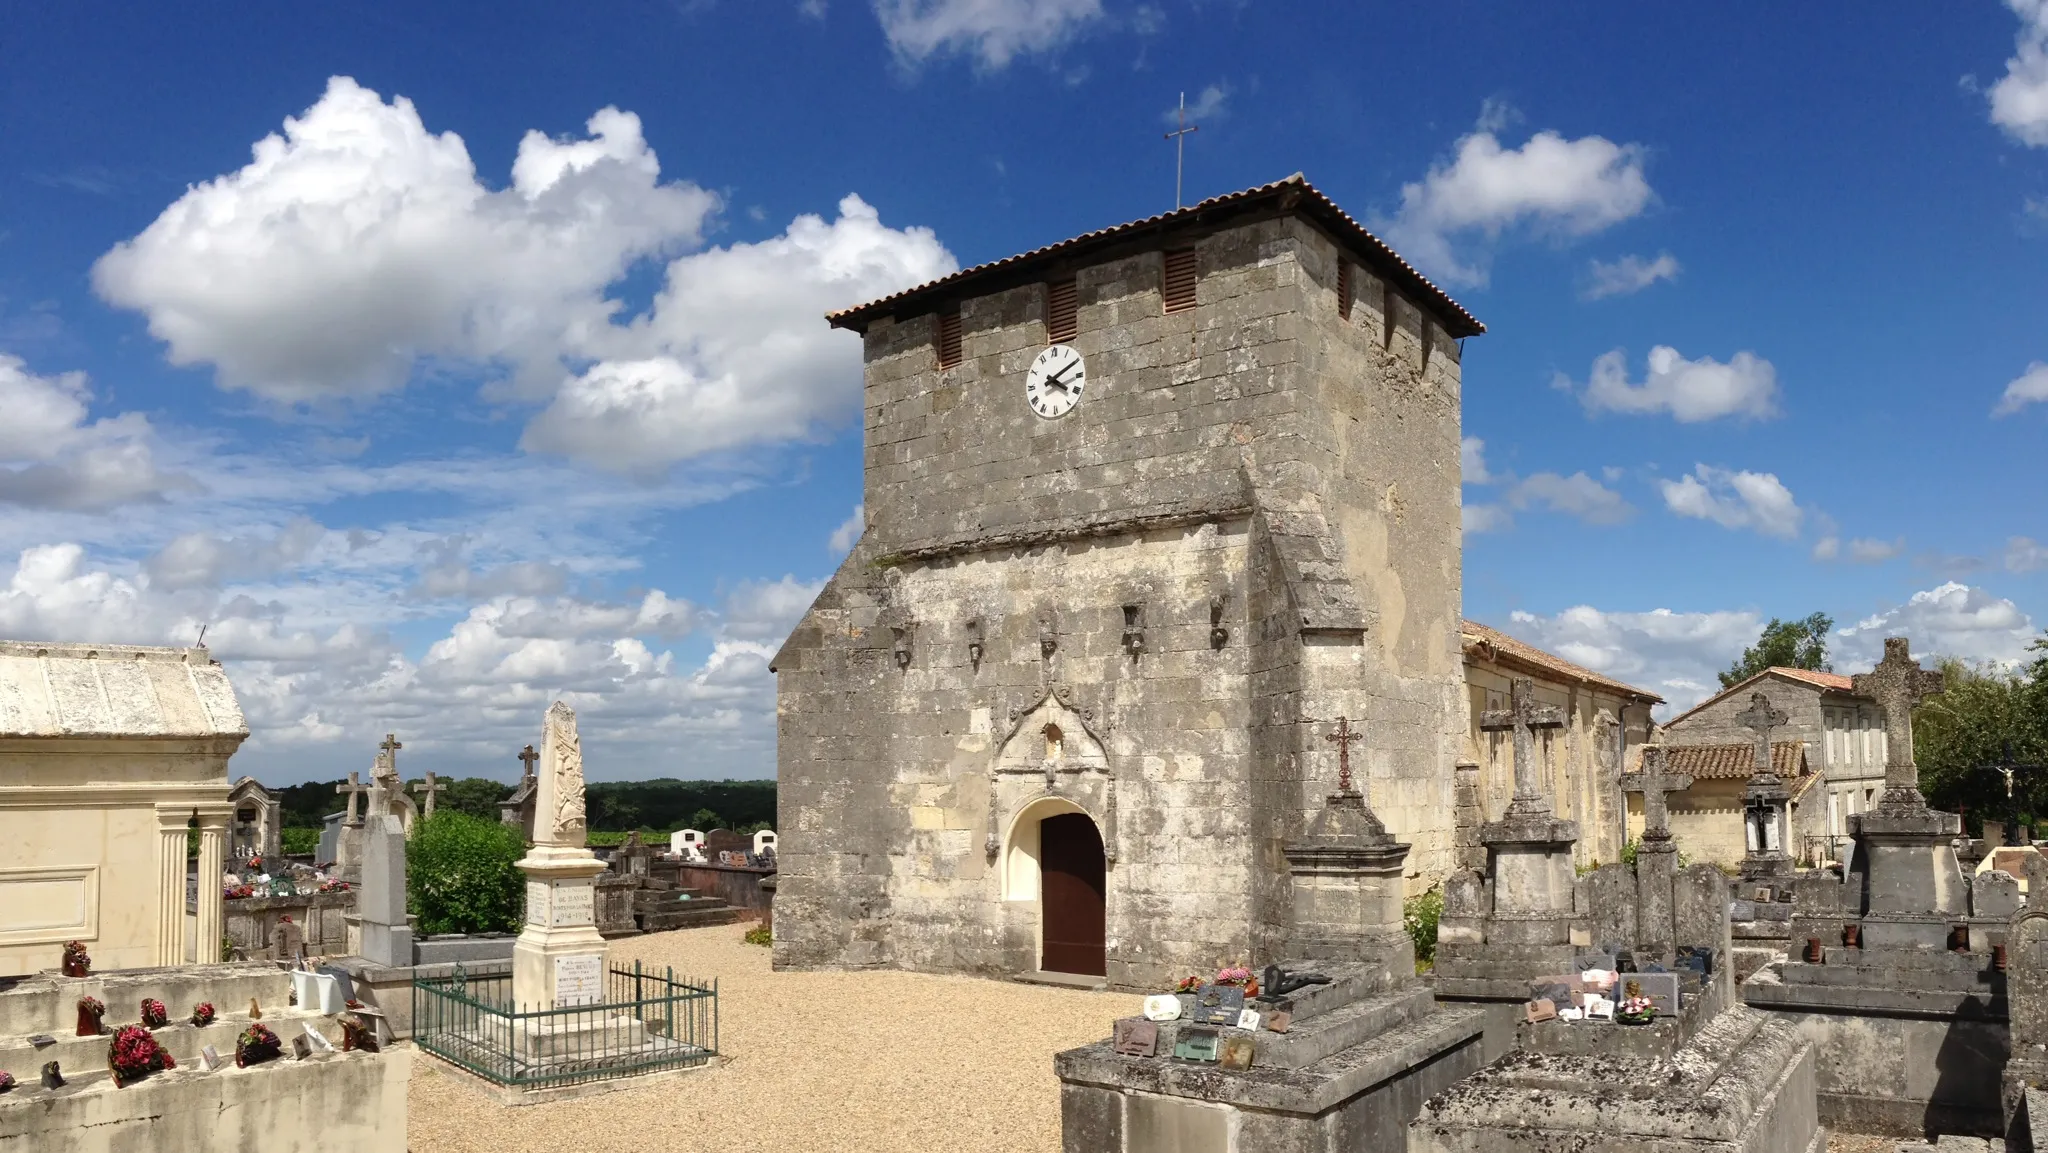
{"x": 559, "y": 959}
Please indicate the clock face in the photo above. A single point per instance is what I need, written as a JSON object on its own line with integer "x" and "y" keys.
{"x": 1053, "y": 386}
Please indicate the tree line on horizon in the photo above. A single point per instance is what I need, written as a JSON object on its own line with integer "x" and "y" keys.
{"x": 661, "y": 805}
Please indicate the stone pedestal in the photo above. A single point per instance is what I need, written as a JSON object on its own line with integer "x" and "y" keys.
{"x": 1347, "y": 884}
{"x": 1656, "y": 874}
{"x": 560, "y": 956}
{"x": 1914, "y": 889}
{"x": 384, "y": 932}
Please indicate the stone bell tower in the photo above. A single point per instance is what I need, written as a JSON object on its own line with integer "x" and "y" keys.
{"x": 1148, "y": 510}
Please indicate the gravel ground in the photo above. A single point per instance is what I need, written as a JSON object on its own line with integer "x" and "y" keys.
{"x": 850, "y": 1062}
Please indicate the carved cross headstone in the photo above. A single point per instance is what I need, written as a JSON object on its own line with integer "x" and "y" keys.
{"x": 354, "y": 789}
{"x": 1653, "y": 783}
{"x": 1343, "y": 738}
{"x": 527, "y": 757}
{"x": 1761, "y": 718}
{"x": 427, "y": 789}
{"x": 1897, "y": 684}
{"x": 1523, "y": 717}
{"x": 390, "y": 749}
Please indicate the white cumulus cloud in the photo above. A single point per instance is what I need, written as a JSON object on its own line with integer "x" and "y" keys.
{"x": 994, "y": 32}
{"x": 357, "y": 242}
{"x": 1630, "y": 274}
{"x": 1953, "y": 619}
{"x": 1209, "y": 104}
{"x": 2031, "y": 387}
{"x": 2019, "y": 100}
{"x": 1690, "y": 390}
{"x": 1860, "y": 550}
{"x": 1549, "y": 184}
{"x": 735, "y": 351}
{"x": 849, "y": 530}
{"x": 1672, "y": 654}
{"x": 1472, "y": 460}
{"x": 54, "y": 455}
{"x": 1754, "y": 500}
{"x": 1576, "y": 495}
{"x": 1476, "y": 518}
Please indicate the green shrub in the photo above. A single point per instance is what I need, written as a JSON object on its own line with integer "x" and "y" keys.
{"x": 760, "y": 935}
{"x": 299, "y": 841}
{"x": 462, "y": 874}
{"x": 1420, "y": 914}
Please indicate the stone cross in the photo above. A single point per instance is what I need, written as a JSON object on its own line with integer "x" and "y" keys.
{"x": 428, "y": 788}
{"x": 1523, "y": 717}
{"x": 1897, "y": 684}
{"x": 1343, "y": 738}
{"x": 390, "y": 749}
{"x": 527, "y": 757}
{"x": 1762, "y": 718}
{"x": 354, "y": 789}
{"x": 1653, "y": 782}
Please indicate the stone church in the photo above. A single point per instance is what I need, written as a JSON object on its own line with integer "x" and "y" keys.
{"x": 1149, "y": 511}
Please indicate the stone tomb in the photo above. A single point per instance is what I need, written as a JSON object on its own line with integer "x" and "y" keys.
{"x": 1360, "y": 1051}
{"x": 1704, "y": 1077}
{"x": 1909, "y": 1020}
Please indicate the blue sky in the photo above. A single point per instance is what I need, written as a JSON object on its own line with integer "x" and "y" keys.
{"x": 443, "y": 360}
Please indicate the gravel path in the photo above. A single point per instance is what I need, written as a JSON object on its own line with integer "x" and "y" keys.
{"x": 851, "y": 1062}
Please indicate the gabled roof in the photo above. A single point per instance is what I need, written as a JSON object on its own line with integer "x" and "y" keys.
{"x": 1294, "y": 194}
{"x": 1492, "y": 644}
{"x": 82, "y": 690}
{"x": 1828, "y": 682}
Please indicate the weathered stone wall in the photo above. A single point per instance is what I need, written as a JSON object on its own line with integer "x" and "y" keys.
{"x": 1254, "y": 465}
{"x": 1715, "y": 724}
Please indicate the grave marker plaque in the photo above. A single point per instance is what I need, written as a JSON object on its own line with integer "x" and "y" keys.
{"x": 579, "y": 980}
{"x": 1196, "y": 1044}
{"x": 1235, "y": 1052}
{"x": 1136, "y": 1037}
{"x": 573, "y": 905}
{"x": 1660, "y": 988}
{"x": 1218, "y": 1005}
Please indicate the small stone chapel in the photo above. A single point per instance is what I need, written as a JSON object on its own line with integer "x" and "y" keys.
{"x": 1159, "y": 520}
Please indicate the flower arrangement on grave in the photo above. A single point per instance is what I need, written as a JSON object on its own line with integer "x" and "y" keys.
{"x": 6, "y": 1080}
{"x": 1190, "y": 984}
{"x": 90, "y": 1010}
{"x": 334, "y": 886}
{"x": 202, "y": 1013}
{"x": 256, "y": 1045}
{"x": 1239, "y": 976}
{"x": 77, "y": 963}
{"x": 154, "y": 1015}
{"x": 357, "y": 1034}
{"x": 1635, "y": 1009}
{"x": 135, "y": 1055}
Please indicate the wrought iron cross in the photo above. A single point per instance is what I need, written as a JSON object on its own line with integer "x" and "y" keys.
{"x": 1179, "y": 136}
{"x": 527, "y": 757}
{"x": 1343, "y": 738}
{"x": 354, "y": 789}
{"x": 1897, "y": 684}
{"x": 1523, "y": 717}
{"x": 1762, "y": 718}
{"x": 429, "y": 788}
{"x": 1653, "y": 783}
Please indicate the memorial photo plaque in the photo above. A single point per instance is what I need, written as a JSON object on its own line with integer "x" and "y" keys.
{"x": 1248, "y": 1019}
{"x": 1540, "y": 1010}
{"x": 1218, "y": 1005}
{"x": 1235, "y": 1052}
{"x": 1136, "y": 1037}
{"x": 1660, "y": 988}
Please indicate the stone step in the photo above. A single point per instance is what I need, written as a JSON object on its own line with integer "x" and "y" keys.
{"x": 1061, "y": 980}
{"x": 1336, "y": 1030}
{"x": 182, "y": 1040}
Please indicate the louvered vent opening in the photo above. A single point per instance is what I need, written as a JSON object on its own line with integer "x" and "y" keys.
{"x": 1344, "y": 289}
{"x": 949, "y": 339}
{"x": 1179, "y": 287}
{"x": 1062, "y": 312}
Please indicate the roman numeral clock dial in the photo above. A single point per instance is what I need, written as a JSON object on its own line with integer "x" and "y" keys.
{"x": 1053, "y": 386}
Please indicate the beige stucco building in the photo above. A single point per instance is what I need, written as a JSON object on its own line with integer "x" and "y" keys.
{"x": 1605, "y": 721}
{"x": 108, "y": 754}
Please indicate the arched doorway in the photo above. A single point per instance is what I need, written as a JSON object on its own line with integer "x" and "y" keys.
{"x": 1073, "y": 917}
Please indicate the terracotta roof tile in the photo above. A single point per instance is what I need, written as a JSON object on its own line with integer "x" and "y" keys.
{"x": 1734, "y": 762}
{"x": 1835, "y": 681}
{"x": 1294, "y": 194}
{"x": 1479, "y": 636}
{"x": 1831, "y": 682}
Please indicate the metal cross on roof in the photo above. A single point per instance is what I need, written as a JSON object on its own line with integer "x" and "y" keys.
{"x": 527, "y": 757}
{"x": 1179, "y": 136}
{"x": 429, "y": 788}
{"x": 354, "y": 789}
{"x": 1343, "y": 737}
{"x": 1762, "y": 718}
{"x": 1523, "y": 716}
{"x": 1653, "y": 783}
{"x": 1897, "y": 684}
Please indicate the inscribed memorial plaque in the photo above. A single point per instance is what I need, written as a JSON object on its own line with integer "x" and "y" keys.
{"x": 1218, "y": 1005}
{"x": 1196, "y": 1044}
{"x": 1136, "y": 1037}
{"x": 1279, "y": 1022}
{"x": 1660, "y": 988}
{"x": 579, "y": 980}
{"x": 1543, "y": 1009}
{"x": 1162, "y": 1007}
{"x": 536, "y": 902}
{"x": 572, "y": 905}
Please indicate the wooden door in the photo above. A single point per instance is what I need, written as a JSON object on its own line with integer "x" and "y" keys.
{"x": 1071, "y": 888}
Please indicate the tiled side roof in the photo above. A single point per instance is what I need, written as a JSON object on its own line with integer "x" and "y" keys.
{"x": 1481, "y": 638}
{"x": 1734, "y": 762}
{"x": 1293, "y": 194}
{"x": 1835, "y": 681}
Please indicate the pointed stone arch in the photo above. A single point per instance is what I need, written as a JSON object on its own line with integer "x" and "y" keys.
{"x": 1051, "y": 749}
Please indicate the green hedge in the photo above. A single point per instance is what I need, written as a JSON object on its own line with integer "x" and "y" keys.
{"x": 299, "y": 841}
{"x": 462, "y": 874}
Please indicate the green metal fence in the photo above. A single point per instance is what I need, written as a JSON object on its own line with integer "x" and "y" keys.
{"x": 648, "y": 1021}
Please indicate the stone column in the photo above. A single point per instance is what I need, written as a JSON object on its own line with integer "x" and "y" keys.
{"x": 213, "y": 832}
{"x": 559, "y": 959}
{"x": 170, "y": 885}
